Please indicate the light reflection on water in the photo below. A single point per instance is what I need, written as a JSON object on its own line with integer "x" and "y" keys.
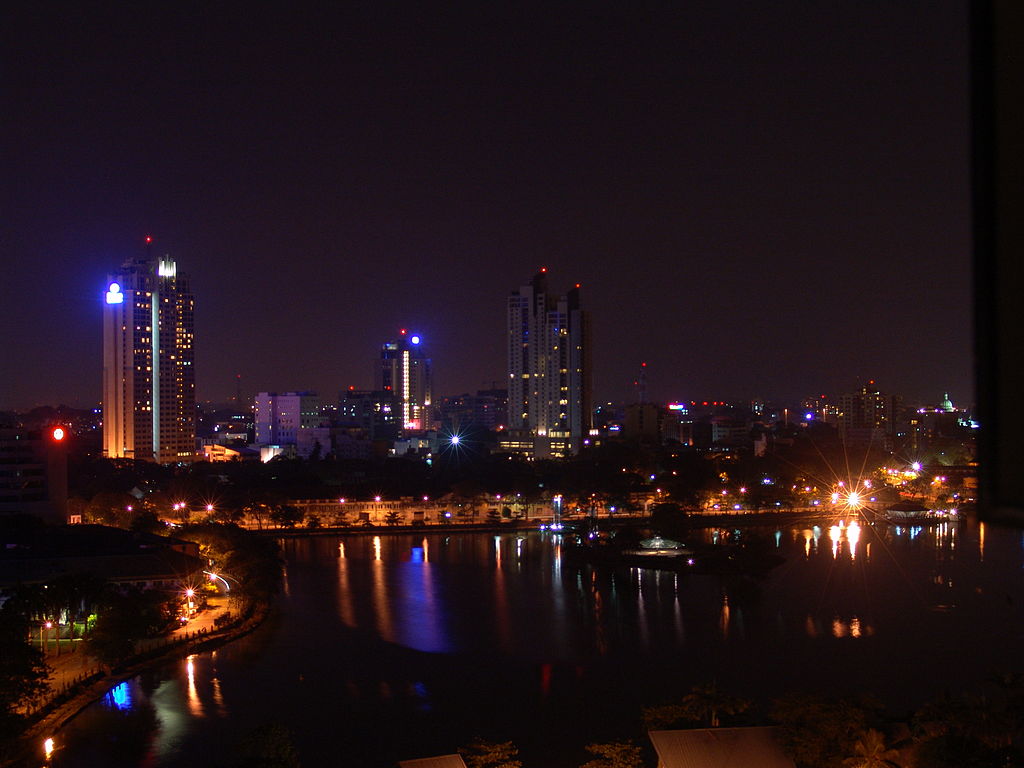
{"x": 479, "y": 613}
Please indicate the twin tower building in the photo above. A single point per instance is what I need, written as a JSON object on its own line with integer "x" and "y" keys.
{"x": 149, "y": 401}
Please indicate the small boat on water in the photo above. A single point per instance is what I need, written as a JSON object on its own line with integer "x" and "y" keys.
{"x": 662, "y": 553}
{"x": 908, "y": 512}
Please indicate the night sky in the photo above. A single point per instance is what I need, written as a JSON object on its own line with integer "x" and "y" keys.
{"x": 759, "y": 199}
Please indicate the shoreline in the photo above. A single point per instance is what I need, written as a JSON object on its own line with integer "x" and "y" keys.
{"x": 696, "y": 521}
{"x": 50, "y": 724}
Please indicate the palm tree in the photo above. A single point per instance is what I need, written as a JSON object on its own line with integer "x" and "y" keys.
{"x": 706, "y": 703}
{"x": 870, "y": 751}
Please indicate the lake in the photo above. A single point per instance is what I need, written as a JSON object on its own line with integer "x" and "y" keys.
{"x": 395, "y": 646}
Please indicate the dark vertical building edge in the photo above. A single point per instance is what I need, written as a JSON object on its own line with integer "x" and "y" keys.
{"x": 996, "y": 131}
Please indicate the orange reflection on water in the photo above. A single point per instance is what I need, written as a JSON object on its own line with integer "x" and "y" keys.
{"x": 195, "y": 706}
{"x": 381, "y": 604}
{"x": 345, "y": 609}
{"x": 218, "y": 696}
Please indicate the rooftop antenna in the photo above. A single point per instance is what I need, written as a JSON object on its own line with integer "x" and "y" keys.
{"x": 641, "y": 384}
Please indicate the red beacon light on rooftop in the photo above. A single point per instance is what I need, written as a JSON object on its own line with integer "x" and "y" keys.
{"x": 58, "y": 433}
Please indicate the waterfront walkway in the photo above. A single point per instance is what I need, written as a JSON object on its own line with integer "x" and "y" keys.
{"x": 70, "y": 664}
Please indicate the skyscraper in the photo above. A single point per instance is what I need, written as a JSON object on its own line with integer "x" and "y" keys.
{"x": 404, "y": 371}
{"x": 148, "y": 363}
{"x": 549, "y": 411}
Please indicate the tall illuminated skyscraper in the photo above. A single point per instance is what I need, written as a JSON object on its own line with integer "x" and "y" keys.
{"x": 549, "y": 411}
{"x": 148, "y": 363}
{"x": 404, "y": 372}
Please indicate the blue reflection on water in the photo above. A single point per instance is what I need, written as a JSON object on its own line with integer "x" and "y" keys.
{"x": 119, "y": 697}
{"x": 417, "y": 554}
{"x": 420, "y": 608}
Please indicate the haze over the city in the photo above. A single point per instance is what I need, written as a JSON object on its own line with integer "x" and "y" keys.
{"x": 757, "y": 200}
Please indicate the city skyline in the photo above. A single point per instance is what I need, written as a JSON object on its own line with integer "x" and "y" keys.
{"x": 758, "y": 203}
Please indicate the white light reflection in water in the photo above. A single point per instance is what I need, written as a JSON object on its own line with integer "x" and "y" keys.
{"x": 981, "y": 541}
{"x": 677, "y": 610}
{"x": 195, "y": 706}
{"x": 641, "y": 608}
{"x": 502, "y": 619}
{"x": 853, "y": 536}
{"x": 807, "y": 541}
{"x": 834, "y": 533}
{"x": 48, "y": 748}
{"x": 558, "y": 590}
{"x": 600, "y": 638}
{"x": 376, "y": 547}
{"x": 426, "y": 550}
{"x": 724, "y": 617}
{"x": 173, "y": 719}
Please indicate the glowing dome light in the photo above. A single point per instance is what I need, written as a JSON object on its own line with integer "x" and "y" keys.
{"x": 415, "y": 340}
{"x": 114, "y": 295}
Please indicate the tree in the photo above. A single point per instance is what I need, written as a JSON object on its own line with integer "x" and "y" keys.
{"x": 23, "y": 671}
{"x": 617, "y": 754}
{"x": 870, "y": 751}
{"x": 487, "y": 754}
{"x": 815, "y": 731}
{"x": 114, "y": 509}
{"x": 705, "y": 704}
{"x": 286, "y": 515}
{"x": 125, "y": 618}
{"x": 269, "y": 746}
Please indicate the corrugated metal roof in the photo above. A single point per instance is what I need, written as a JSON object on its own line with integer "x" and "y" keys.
{"x": 444, "y": 761}
{"x": 719, "y": 748}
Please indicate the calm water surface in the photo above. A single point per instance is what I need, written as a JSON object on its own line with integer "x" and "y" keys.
{"x": 392, "y": 647}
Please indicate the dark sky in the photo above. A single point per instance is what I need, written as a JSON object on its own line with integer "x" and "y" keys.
{"x": 759, "y": 199}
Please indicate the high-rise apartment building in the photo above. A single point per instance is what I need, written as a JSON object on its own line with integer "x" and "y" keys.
{"x": 549, "y": 411}
{"x": 868, "y": 415}
{"x": 279, "y": 417}
{"x": 404, "y": 371}
{"x": 149, "y": 403}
